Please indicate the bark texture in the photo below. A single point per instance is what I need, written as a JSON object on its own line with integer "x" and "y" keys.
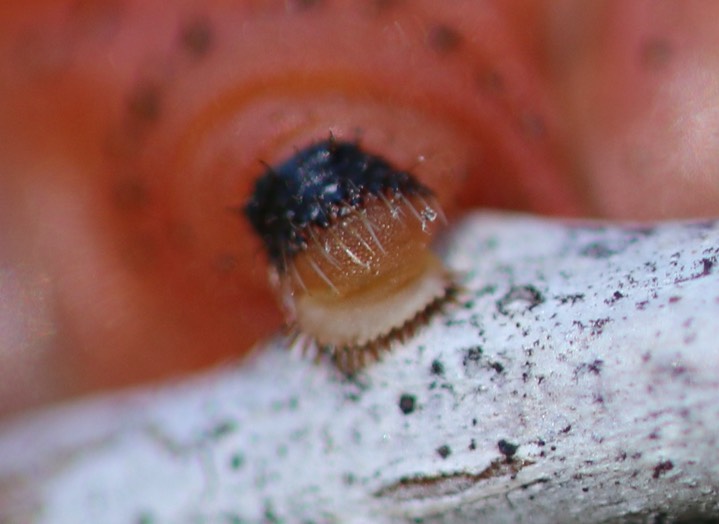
{"x": 575, "y": 380}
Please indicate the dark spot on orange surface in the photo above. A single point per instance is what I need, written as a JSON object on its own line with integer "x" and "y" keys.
{"x": 96, "y": 20}
{"x": 140, "y": 252}
{"x": 196, "y": 37}
{"x": 378, "y": 7}
{"x": 443, "y": 39}
{"x": 533, "y": 125}
{"x": 226, "y": 263}
{"x": 130, "y": 194}
{"x": 490, "y": 82}
{"x": 655, "y": 53}
{"x": 304, "y": 5}
{"x": 144, "y": 103}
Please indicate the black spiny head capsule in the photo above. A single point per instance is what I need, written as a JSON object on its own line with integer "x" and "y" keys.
{"x": 348, "y": 237}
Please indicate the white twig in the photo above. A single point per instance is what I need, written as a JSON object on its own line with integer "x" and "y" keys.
{"x": 577, "y": 379}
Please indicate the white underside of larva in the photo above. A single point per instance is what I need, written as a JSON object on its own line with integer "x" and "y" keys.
{"x": 357, "y": 322}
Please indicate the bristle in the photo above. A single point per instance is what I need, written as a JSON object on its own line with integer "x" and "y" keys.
{"x": 302, "y": 344}
{"x": 296, "y": 277}
{"x": 352, "y": 256}
{"x": 322, "y": 248}
{"x": 362, "y": 241}
{"x": 394, "y": 210}
{"x": 432, "y": 211}
{"x": 413, "y": 211}
{"x": 322, "y": 275}
{"x": 350, "y": 359}
{"x": 370, "y": 228}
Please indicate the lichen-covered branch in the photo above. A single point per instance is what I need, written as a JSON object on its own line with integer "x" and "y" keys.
{"x": 576, "y": 379}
